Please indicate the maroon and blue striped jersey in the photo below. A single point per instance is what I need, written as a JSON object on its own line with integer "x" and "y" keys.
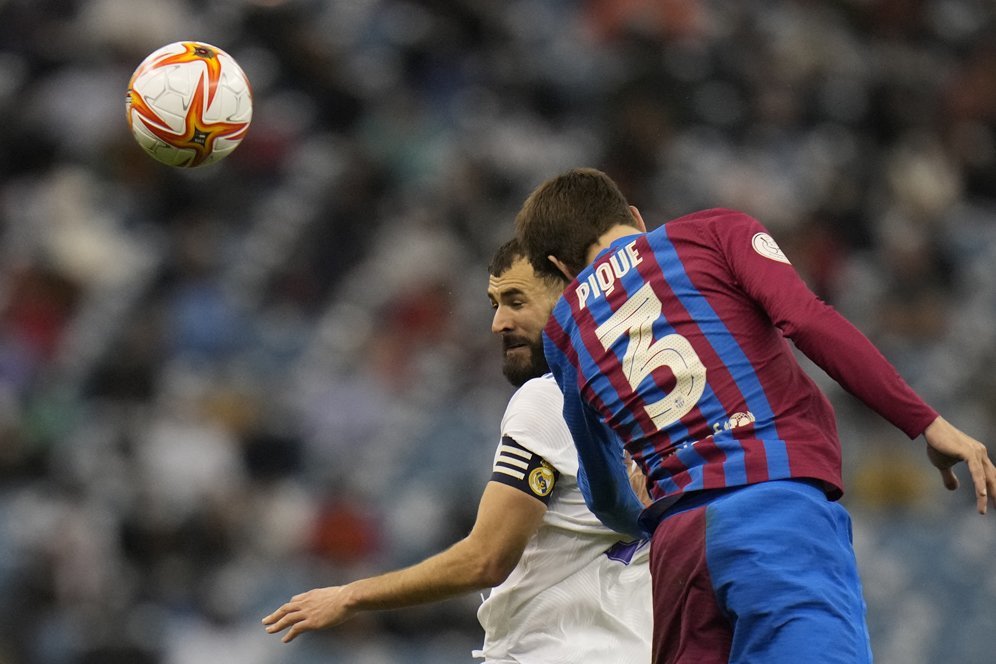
{"x": 672, "y": 345}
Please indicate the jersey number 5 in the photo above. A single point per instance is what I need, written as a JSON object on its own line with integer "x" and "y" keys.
{"x": 644, "y": 354}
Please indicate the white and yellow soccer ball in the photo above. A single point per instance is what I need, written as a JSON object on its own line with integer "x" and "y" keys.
{"x": 189, "y": 104}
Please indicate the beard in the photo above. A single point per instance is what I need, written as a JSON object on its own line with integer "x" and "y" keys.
{"x": 518, "y": 367}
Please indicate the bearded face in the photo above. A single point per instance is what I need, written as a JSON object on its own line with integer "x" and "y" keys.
{"x": 522, "y": 358}
{"x": 522, "y": 303}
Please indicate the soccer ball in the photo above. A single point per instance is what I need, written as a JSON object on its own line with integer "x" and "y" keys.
{"x": 189, "y": 104}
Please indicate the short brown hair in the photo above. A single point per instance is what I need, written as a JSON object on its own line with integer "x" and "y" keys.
{"x": 512, "y": 251}
{"x": 567, "y": 214}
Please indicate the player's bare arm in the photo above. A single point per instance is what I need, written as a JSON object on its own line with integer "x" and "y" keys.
{"x": 506, "y": 519}
{"x": 947, "y": 445}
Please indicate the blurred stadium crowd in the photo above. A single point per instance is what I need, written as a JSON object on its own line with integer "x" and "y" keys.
{"x": 224, "y": 386}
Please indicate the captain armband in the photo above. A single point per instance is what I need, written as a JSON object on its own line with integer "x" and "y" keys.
{"x": 519, "y": 468}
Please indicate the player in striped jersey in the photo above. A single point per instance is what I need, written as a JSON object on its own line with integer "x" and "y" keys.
{"x": 671, "y": 344}
{"x": 564, "y": 588}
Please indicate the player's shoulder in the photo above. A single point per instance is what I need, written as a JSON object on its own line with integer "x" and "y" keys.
{"x": 537, "y": 397}
{"x": 714, "y": 227}
{"x": 542, "y": 387}
{"x": 716, "y": 217}
{"x": 534, "y": 418}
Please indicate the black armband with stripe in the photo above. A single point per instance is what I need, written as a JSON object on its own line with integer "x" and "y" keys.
{"x": 519, "y": 468}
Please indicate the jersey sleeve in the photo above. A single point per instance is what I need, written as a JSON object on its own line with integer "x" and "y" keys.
{"x": 602, "y": 476}
{"x": 521, "y": 469}
{"x": 533, "y": 419}
{"x": 816, "y": 329}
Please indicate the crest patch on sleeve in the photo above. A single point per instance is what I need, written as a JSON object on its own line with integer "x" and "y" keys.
{"x": 542, "y": 479}
{"x": 517, "y": 467}
{"x": 766, "y": 246}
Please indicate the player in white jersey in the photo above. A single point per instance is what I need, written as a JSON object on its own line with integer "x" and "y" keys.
{"x": 578, "y": 594}
{"x": 564, "y": 589}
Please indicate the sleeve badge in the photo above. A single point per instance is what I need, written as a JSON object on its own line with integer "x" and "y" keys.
{"x": 542, "y": 480}
{"x": 765, "y": 245}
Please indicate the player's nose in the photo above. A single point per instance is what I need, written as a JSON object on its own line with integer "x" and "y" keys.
{"x": 501, "y": 322}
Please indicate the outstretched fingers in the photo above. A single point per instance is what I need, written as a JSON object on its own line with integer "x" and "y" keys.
{"x": 947, "y": 445}
{"x": 983, "y": 473}
{"x": 288, "y": 615}
{"x": 310, "y": 611}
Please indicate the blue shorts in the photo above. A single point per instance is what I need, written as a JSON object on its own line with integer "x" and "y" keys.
{"x": 760, "y": 573}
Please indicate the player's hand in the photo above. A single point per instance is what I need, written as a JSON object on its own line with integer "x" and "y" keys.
{"x": 310, "y": 611}
{"x": 947, "y": 445}
{"x": 637, "y": 480}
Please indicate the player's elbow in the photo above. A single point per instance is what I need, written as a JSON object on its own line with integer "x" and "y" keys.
{"x": 484, "y": 562}
{"x": 493, "y": 563}
{"x": 487, "y": 572}
{"x": 495, "y": 568}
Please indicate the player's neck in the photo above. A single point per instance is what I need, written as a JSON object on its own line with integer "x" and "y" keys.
{"x": 607, "y": 238}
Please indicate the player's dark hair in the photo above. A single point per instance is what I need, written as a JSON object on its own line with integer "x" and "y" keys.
{"x": 567, "y": 214}
{"x": 505, "y": 256}
{"x": 511, "y": 251}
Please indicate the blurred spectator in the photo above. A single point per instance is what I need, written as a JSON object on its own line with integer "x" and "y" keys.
{"x": 221, "y": 385}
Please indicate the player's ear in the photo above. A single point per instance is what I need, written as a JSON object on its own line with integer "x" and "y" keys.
{"x": 562, "y": 267}
{"x": 638, "y": 218}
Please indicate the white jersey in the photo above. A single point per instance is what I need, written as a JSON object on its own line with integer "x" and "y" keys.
{"x": 570, "y": 599}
